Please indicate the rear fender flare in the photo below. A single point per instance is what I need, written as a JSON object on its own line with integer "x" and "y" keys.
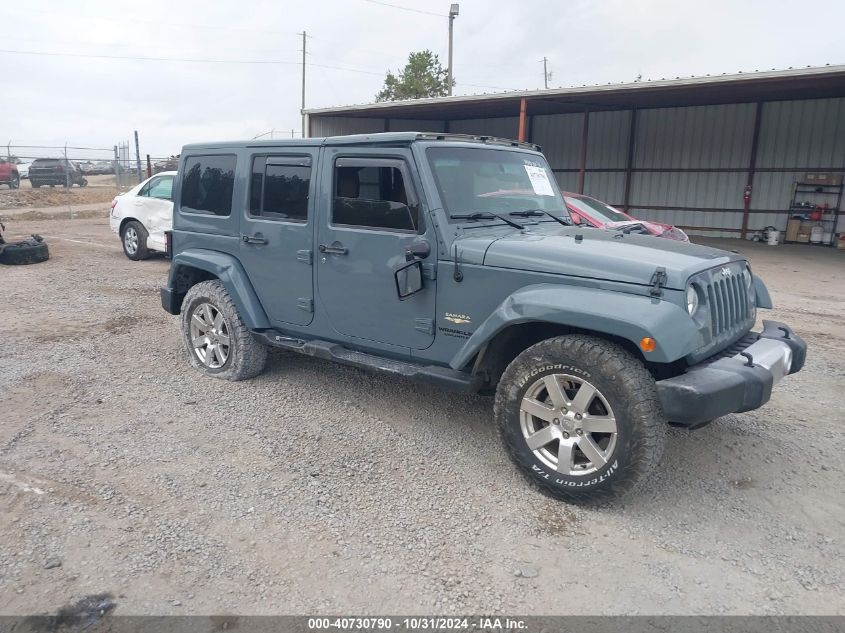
{"x": 229, "y": 270}
{"x": 628, "y": 316}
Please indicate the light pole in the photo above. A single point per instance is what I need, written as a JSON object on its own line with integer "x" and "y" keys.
{"x": 453, "y": 12}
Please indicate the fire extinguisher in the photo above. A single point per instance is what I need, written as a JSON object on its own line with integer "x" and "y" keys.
{"x": 746, "y": 196}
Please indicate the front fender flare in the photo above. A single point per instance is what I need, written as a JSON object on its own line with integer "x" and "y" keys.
{"x": 762, "y": 299}
{"x": 229, "y": 270}
{"x": 625, "y": 315}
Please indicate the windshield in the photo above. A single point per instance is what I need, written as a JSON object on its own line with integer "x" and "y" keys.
{"x": 597, "y": 210}
{"x": 486, "y": 180}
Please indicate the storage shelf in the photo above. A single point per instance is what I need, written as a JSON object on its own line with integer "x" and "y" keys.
{"x": 829, "y": 220}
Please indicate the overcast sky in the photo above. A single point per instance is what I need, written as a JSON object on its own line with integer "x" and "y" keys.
{"x": 499, "y": 44}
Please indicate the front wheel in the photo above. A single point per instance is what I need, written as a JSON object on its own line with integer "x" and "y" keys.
{"x": 580, "y": 416}
{"x": 216, "y": 339}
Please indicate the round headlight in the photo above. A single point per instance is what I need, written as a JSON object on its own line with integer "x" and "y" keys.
{"x": 692, "y": 300}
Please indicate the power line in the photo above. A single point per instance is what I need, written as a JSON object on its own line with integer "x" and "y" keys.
{"x": 396, "y": 6}
{"x": 221, "y": 61}
{"x": 148, "y": 59}
{"x": 157, "y": 23}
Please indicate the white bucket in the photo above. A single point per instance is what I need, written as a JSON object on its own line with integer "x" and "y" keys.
{"x": 826, "y": 237}
{"x": 774, "y": 238}
{"x": 816, "y": 235}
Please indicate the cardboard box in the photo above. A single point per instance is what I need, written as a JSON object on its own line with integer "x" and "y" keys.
{"x": 823, "y": 178}
{"x": 804, "y": 238}
{"x": 792, "y": 228}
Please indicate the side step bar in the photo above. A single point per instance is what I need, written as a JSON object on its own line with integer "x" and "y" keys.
{"x": 442, "y": 376}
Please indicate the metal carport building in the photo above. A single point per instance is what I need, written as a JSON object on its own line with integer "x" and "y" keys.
{"x": 681, "y": 150}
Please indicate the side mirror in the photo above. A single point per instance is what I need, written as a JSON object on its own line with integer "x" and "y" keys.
{"x": 409, "y": 280}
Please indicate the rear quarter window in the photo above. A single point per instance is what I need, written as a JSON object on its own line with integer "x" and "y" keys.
{"x": 207, "y": 184}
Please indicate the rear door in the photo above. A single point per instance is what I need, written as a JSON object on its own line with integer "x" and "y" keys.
{"x": 276, "y": 234}
{"x": 153, "y": 207}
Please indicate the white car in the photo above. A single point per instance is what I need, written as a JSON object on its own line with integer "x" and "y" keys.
{"x": 142, "y": 215}
{"x": 23, "y": 170}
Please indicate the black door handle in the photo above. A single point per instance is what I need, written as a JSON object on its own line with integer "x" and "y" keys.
{"x": 253, "y": 239}
{"x": 332, "y": 250}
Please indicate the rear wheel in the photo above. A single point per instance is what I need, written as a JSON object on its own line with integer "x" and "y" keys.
{"x": 16, "y": 183}
{"x": 134, "y": 238}
{"x": 580, "y": 416}
{"x": 216, "y": 339}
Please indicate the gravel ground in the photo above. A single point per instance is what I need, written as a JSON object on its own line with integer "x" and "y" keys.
{"x": 319, "y": 488}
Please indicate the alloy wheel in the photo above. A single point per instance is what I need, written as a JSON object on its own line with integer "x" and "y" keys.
{"x": 568, "y": 424}
{"x": 210, "y": 336}
{"x": 130, "y": 240}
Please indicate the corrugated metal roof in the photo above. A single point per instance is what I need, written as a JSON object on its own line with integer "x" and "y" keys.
{"x": 820, "y": 81}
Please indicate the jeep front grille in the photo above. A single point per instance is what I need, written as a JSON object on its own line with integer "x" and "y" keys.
{"x": 728, "y": 301}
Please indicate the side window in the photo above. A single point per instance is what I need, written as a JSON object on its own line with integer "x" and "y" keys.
{"x": 372, "y": 193}
{"x": 145, "y": 190}
{"x": 161, "y": 188}
{"x": 207, "y": 184}
{"x": 279, "y": 188}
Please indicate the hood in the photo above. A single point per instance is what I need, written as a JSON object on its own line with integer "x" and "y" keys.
{"x": 599, "y": 254}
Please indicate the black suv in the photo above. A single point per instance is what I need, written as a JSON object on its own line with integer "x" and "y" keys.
{"x": 55, "y": 171}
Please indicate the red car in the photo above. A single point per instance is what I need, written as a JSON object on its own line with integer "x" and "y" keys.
{"x": 9, "y": 174}
{"x": 601, "y": 215}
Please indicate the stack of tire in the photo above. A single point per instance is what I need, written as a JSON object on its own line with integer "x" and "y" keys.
{"x": 29, "y": 251}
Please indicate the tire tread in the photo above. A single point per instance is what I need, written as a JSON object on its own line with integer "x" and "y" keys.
{"x": 643, "y": 406}
{"x": 250, "y": 355}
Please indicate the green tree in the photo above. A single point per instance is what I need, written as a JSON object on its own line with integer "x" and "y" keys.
{"x": 423, "y": 76}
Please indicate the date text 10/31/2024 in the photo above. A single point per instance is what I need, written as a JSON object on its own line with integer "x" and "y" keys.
{"x": 416, "y": 623}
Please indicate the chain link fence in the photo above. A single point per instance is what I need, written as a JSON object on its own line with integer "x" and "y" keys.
{"x": 73, "y": 179}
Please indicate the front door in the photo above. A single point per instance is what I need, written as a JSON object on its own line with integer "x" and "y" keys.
{"x": 276, "y": 234}
{"x": 370, "y": 216}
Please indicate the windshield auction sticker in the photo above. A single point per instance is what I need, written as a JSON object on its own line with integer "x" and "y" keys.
{"x": 539, "y": 180}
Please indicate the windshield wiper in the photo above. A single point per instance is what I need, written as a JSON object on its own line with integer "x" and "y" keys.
{"x": 486, "y": 215}
{"x": 528, "y": 213}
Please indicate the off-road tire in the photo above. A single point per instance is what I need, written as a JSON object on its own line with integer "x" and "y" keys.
{"x": 22, "y": 254}
{"x": 141, "y": 252}
{"x": 622, "y": 380}
{"x": 34, "y": 185}
{"x": 247, "y": 355}
{"x": 15, "y": 183}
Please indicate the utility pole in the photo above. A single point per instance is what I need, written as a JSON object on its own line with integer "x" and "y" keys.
{"x": 116, "y": 169}
{"x": 546, "y": 74}
{"x": 302, "y": 110}
{"x": 138, "y": 157}
{"x": 453, "y": 12}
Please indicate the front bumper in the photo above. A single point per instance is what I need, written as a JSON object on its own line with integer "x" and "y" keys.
{"x": 735, "y": 383}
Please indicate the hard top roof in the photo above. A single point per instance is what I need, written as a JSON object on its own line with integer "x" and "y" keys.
{"x": 381, "y": 138}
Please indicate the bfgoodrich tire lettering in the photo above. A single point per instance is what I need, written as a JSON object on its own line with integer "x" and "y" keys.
{"x": 243, "y": 357}
{"x": 624, "y": 412}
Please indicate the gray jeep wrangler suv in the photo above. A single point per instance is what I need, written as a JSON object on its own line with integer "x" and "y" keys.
{"x": 452, "y": 260}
